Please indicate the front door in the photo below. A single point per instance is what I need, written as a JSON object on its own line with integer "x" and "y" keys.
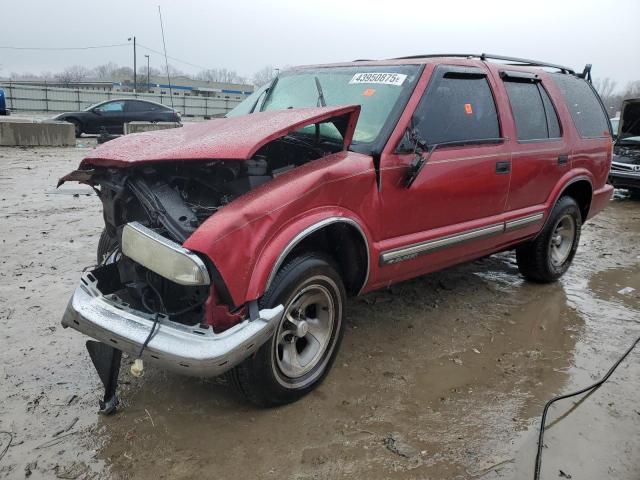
{"x": 111, "y": 116}
{"x": 448, "y": 213}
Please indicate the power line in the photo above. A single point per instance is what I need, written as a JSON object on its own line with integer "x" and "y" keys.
{"x": 9, "y": 47}
{"x": 195, "y": 65}
{"x": 174, "y": 58}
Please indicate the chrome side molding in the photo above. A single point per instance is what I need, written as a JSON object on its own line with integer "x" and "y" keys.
{"x": 523, "y": 222}
{"x": 414, "y": 250}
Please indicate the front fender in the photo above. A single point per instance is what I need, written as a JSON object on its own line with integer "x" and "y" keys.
{"x": 245, "y": 238}
{"x": 271, "y": 258}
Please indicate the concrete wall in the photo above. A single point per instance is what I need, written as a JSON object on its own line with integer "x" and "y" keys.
{"x": 137, "y": 127}
{"x": 20, "y": 133}
{"x": 46, "y": 99}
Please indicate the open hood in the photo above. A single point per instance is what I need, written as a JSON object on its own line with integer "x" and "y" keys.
{"x": 235, "y": 138}
{"x": 629, "y": 126}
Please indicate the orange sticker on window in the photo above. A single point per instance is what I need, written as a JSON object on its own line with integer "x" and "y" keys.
{"x": 468, "y": 109}
{"x": 369, "y": 92}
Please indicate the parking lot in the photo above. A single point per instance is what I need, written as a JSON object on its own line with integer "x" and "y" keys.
{"x": 444, "y": 376}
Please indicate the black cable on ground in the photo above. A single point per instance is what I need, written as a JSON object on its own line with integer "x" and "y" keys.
{"x": 598, "y": 384}
{"x": 5, "y": 449}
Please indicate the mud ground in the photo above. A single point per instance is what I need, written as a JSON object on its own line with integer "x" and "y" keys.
{"x": 443, "y": 376}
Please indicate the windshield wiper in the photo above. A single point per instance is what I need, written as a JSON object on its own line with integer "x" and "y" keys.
{"x": 267, "y": 95}
{"x": 321, "y": 102}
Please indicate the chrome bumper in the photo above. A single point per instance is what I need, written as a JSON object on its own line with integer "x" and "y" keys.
{"x": 186, "y": 350}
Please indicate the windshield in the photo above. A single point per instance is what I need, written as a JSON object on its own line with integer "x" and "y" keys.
{"x": 381, "y": 91}
{"x": 246, "y": 105}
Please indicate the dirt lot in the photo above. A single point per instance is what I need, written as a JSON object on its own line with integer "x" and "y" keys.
{"x": 444, "y": 376}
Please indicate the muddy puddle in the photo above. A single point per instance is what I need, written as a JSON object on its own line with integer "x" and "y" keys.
{"x": 444, "y": 376}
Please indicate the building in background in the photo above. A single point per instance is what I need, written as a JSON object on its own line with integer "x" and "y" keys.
{"x": 180, "y": 86}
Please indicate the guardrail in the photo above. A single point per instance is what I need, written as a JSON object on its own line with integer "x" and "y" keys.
{"x": 54, "y": 99}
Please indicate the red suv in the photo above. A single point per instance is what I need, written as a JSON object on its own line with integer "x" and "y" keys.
{"x": 232, "y": 245}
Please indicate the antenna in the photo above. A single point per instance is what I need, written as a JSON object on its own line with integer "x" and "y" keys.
{"x": 166, "y": 62}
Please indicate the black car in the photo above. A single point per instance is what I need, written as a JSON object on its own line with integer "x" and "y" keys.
{"x": 625, "y": 165}
{"x": 113, "y": 114}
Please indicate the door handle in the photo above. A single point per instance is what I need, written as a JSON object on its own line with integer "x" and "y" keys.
{"x": 563, "y": 159}
{"x": 503, "y": 167}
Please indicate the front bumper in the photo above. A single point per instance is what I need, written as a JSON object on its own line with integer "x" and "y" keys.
{"x": 188, "y": 350}
{"x": 621, "y": 179}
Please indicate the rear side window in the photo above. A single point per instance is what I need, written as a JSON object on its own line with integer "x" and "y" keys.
{"x": 136, "y": 106}
{"x": 533, "y": 111}
{"x": 457, "y": 108}
{"x": 586, "y": 110}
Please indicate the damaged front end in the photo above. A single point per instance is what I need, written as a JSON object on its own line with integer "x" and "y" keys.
{"x": 151, "y": 297}
{"x": 625, "y": 165}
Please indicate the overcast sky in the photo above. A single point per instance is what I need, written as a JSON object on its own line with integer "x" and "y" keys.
{"x": 247, "y": 35}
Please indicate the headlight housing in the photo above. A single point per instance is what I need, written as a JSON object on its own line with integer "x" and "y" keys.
{"x": 162, "y": 256}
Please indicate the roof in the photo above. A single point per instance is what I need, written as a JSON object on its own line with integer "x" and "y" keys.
{"x": 458, "y": 58}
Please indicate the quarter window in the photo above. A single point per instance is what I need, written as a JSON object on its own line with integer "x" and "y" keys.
{"x": 586, "y": 110}
{"x": 533, "y": 111}
{"x": 457, "y": 108}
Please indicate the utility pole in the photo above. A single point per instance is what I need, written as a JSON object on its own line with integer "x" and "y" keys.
{"x": 148, "y": 78}
{"x": 135, "y": 74}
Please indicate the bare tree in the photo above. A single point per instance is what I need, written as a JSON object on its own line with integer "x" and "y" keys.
{"x": 264, "y": 75}
{"x": 105, "y": 71}
{"x": 73, "y": 74}
{"x": 632, "y": 90}
{"x": 604, "y": 86}
{"x": 220, "y": 75}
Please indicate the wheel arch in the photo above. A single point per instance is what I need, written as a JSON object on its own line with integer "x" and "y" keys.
{"x": 342, "y": 238}
{"x": 581, "y": 190}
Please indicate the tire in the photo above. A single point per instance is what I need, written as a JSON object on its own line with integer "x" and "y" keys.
{"x": 634, "y": 193}
{"x": 277, "y": 373}
{"x": 550, "y": 254}
{"x": 77, "y": 127}
{"x": 105, "y": 245}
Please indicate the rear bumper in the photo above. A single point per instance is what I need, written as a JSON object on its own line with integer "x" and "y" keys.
{"x": 600, "y": 199}
{"x": 183, "y": 349}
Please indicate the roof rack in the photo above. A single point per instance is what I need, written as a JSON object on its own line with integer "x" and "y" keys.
{"x": 489, "y": 56}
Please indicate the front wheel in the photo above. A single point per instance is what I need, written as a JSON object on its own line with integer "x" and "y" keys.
{"x": 546, "y": 258}
{"x": 77, "y": 127}
{"x": 300, "y": 353}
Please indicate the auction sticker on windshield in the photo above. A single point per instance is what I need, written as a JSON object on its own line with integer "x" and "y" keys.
{"x": 380, "y": 78}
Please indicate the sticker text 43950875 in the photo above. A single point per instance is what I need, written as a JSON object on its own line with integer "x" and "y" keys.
{"x": 381, "y": 78}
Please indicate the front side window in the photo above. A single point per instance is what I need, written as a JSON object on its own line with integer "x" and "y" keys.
{"x": 533, "y": 111}
{"x": 111, "y": 107}
{"x": 586, "y": 110}
{"x": 457, "y": 108}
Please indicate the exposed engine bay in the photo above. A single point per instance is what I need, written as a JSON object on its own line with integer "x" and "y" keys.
{"x": 174, "y": 199}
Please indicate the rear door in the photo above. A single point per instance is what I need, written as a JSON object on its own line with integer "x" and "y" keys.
{"x": 137, "y": 111}
{"x": 540, "y": 152}
{"x": 449, "y": 211}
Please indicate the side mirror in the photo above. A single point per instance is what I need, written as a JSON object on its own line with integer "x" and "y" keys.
{"x": 97, "y": 111}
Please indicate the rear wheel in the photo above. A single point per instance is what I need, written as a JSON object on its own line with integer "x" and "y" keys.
{"x": 546, "y": 258}
{"x": 300, "y": 353}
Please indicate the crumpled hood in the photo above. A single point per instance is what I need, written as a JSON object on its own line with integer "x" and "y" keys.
{"x": 234, "y": 138}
